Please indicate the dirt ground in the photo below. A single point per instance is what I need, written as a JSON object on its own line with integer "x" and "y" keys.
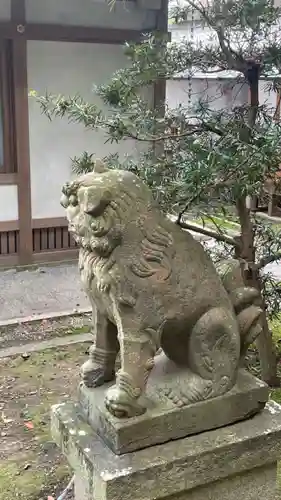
{"x": 31, "y": 466}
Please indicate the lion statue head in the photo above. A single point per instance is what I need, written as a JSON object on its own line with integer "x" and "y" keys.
{"x": 109, "y": 208}
{"x": 99, "y": 205}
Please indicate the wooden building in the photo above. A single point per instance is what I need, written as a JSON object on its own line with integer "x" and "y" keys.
{"x": 62, "y": 46}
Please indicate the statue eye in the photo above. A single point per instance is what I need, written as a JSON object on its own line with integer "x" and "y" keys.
{"x": 97, "y": 209}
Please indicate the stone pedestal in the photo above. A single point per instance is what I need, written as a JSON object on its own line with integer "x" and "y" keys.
{"x": 233, "y": 462}
{"x": 169, "y": 413}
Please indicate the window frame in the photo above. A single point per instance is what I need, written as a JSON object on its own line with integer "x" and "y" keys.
{"x": 8, "y": 169}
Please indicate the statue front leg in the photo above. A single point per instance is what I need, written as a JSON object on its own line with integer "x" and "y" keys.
{"x": 100, "y": 367}
{"x": 137, "y": 355}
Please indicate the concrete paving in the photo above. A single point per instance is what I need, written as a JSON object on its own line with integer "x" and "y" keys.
{"x": 50, "y": 290}
{"x": 45, "y": 290}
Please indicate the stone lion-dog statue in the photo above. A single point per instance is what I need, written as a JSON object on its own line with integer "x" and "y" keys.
{"x": 151, "y": 286}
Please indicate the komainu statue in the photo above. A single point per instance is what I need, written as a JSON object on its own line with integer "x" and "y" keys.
{"x": 151, "y": 286}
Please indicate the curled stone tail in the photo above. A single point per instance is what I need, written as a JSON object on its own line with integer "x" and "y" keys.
{"x": 243, "y": 297}
{"x": 249, "y": 326}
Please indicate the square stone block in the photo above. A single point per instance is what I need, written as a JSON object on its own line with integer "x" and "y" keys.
{"x": 234, "y": 462}
{"x": 169, "y": 414}
{"x": 250, "y": 485}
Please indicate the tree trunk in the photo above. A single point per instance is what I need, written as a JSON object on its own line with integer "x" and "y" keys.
{"x": 246, "y": 254}
{"x": 267, "y": 354}
{"x": 265, "y": 345}
{"x": 246, "y": 251}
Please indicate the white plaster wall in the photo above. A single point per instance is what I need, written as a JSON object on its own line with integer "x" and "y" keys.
{"x": 5, "y": 9}
{"x": 125, "y": 15}
{"x": 177, "y": 94}
{"x": 65, "y": 68}
{"x": 220, "y": 94}
{"x": 268, "y": 98}
{"x": 8, "y": 203}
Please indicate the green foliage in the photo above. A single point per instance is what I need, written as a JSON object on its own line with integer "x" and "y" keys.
{"x": 83, "y": 164}
{"x": 200, "y": 159}
{"x": 267, "y": 243}
{"x": 208, "y": 154}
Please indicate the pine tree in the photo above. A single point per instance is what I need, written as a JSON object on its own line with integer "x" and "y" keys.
{"x": 203, "y": 160}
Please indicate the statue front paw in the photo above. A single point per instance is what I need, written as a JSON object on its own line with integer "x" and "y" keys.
{"x": 121, "y": 405}
{"x": 94, "y": 375}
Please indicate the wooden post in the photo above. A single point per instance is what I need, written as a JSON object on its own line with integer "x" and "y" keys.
{"x": 160, "y": 85}
{"x": 25, "y": 249}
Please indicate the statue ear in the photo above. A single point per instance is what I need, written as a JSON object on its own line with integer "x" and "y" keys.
{"x": 100, "y": 167}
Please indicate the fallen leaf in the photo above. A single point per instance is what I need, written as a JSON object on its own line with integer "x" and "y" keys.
{"x": 5, "y": 419}
{"x": 29, "y": 425}
{"x": 25, "y": 356}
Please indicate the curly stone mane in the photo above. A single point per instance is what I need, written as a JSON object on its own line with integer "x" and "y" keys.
{"x": 100, "y": 205}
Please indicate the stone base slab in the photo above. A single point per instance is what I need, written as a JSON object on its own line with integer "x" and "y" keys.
{"x": 169, "y": 415}
{"x": 237, "y": 461}
{"x": 251, "y": 485}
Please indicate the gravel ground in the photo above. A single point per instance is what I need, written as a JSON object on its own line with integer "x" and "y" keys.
{"x": 36, "y": 331}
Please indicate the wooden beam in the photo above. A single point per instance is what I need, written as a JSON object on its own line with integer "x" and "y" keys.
{"x": 8, "y": 179}
{"x": 9, "y": 225}
{"x": 63, "y": 33}
{"x": 22, "y": 150}
{"x": 7, "y": 30}
{"x": 86, "y": 34}
{"x": 49, "y": 223}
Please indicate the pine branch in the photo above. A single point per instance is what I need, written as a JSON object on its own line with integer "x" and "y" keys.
{"x": 234, "y": 60}
{"x": 208, "y": 232}
{"x": 175, "y": 136}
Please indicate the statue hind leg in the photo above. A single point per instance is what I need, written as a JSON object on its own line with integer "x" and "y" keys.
{"x": 213, "y": 355}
